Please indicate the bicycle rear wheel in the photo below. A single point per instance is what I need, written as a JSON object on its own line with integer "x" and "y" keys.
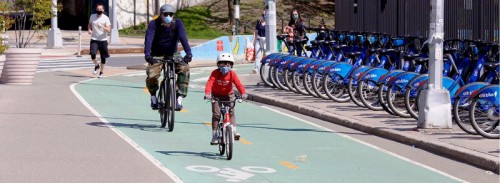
{"x": 229, "y": 140}
{"x": 162, "y": 104}
{"x": 461, "y": 116}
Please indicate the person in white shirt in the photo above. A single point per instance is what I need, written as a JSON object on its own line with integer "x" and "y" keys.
{"x": 98, "y": 26}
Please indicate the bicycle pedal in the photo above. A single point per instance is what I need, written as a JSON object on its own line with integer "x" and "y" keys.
{"x": 236, "y": 138}
{"x": 213, "y": 143}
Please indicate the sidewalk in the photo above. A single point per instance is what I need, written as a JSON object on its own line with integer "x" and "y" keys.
{"x": 71, "y": 39}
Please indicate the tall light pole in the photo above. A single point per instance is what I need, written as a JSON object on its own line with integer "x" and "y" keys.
{"x": 434, "y": 106}
{"x": 271, "y": 27}
{"x": 54, "y": 39}
{"x": 115, "y": 38}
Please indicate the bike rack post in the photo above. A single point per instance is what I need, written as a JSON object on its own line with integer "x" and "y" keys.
{"x": 79, "y": 41}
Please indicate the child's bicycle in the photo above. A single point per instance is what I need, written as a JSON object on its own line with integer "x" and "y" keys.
{"x": 225, "y": 130}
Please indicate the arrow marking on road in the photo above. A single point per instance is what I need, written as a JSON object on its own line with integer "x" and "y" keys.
{"x": 289, "y": 165}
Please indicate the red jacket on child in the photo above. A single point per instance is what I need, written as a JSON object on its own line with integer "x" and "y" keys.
{"x": 222, "y": 85}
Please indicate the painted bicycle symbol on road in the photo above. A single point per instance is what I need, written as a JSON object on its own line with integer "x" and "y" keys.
{"x": 231, "y": 174}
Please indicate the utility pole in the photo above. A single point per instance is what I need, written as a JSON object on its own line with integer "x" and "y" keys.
{"x": 271, "y": 27}
{"x": 54, "y": 39}
{"x": 236, "y": 15}
{"x": 115, "y": 38}
{"x": 434, "y": 109}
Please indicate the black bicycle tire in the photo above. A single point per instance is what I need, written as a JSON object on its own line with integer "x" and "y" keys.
{"x": 475, "y": 125}
{"x": 391, "y": 105}
{"x": 272, "y": 77}
{"x": 220, "y": 136}
{"x": 289, "y": 80}
{"x": 307, "y": 86}
{"x": 335, "y": 97}
{"x": 352, "y": 93}
{"x": 296, "y": 81}
{"x": 280, "y": 82}
{"x": 366, "y": 103}
{"x": 317, "y": 88}
{"x": 263, "y": 74}
{"x": 413, "y": 114}
{"x": 460, "y": 121}
{"x": 229, "y": 142}
{"x": 382, "y": 98}
{"x": 161, "y": 104}
{"x": 172, "y": 100}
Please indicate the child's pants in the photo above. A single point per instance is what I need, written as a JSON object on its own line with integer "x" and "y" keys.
{"x": 216, "y": 115}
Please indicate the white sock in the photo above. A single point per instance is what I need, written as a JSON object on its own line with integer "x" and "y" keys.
{"x": 179, "y": 100}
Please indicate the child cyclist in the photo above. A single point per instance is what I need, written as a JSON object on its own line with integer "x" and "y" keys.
{"x": 220, "y": 86}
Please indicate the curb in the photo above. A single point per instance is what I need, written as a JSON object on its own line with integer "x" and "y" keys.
{"x": 455, "y": 152}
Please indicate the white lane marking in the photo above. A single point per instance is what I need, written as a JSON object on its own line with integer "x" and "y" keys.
{"x": 136, "y": 146}
{"x": 369, "y": 145}
{"x": 65, "y": 65}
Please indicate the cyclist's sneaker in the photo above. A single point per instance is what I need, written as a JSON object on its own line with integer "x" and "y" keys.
{"x": 96, "y": 68}
{"x": 237, "y": 136}
{"x": 100, "y": 75}
{"x": 215, "y": 140}
{"x": 154, "y": 103}
{"x": 254, "y": 71}
{"x": 178, "y": 107}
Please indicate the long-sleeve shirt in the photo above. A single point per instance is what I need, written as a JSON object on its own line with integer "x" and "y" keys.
{"x": 162, "y": 41}
{"x": 222, "y": 85}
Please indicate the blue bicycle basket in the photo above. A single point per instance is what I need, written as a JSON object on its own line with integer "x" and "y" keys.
{"x": 398, "y": 42}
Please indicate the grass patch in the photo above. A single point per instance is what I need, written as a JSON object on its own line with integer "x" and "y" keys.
{"x": 195, "y": 21}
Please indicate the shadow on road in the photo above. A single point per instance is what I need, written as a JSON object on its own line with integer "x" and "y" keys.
{"x": 208, "y": 155}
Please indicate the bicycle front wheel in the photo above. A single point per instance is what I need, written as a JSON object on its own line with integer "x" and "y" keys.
{"x": 229, "y": 139}
{"x": 170, "y": 104}
{"x": 162, "y": 104}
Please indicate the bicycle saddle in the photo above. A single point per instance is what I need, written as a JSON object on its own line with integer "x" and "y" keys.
{"x": 353, "y": 54}
{"x": 410, "y": 56}
{"x": 421, "y": 60}
{"x": 491, "y": 65}
{"x": 386, "y": 51}
{"x": 449, "y": 50}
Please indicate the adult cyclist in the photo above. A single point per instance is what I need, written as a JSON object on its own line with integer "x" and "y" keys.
{"x": 161, "y": 40}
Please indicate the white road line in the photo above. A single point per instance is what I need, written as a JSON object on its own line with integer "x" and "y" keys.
{"x": 367, "y": 144}
{"x": 136, "y": 146}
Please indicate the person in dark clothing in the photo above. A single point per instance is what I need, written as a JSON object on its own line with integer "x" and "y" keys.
{"x": 259, "y": 40}
{"x": 161, "y": 40}
{"x": 299, "y": 30}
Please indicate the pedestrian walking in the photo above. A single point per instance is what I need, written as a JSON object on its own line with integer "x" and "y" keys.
{"x": 161, "y": 40}
{"x": 259, "y": 40}
{"x": 98, "y": 26}
{"x": 299, "y": 31}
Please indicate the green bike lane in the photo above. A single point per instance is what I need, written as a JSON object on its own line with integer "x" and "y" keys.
{"x": 275, "y": 147}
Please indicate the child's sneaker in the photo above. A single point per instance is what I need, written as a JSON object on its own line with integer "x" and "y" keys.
{"x": 215, "y": 139}
{"x": 96, "y": 68}
{"x": 236, "y": 136}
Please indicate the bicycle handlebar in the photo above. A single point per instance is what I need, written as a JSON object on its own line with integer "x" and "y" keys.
{"x": 167, "y": 59}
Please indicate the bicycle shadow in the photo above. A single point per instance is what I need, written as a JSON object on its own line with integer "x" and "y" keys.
{"x": 208, "y": 155}
{"x": 143, "y": 127}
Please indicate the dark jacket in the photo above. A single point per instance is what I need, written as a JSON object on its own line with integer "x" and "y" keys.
{"x": 162, "y": 41}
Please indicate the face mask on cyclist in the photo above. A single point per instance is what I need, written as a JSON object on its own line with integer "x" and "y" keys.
{"x": 168, "y": 19}
{"x": 224, "y": 69}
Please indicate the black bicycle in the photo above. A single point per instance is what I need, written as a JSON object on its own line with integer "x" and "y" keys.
{"x": 166, "y": 97}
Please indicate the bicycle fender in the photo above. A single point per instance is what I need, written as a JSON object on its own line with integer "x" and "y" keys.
{"x": 490, "y": 93}
{"x": 386, "y": 77}
{"x": 340, "y": 69}
{"x": 402, "y": 79}
{"x": 373, "y": 74}
{"x": 321, "y": 68}
{"x": 292, "y": 63}
{"x": 302, "y": 65}
{"x": 448, "y": 84}
{"x": 268, "y": 58}
{"x": 311, "y": 67}
{"x": 464, "y": 92}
